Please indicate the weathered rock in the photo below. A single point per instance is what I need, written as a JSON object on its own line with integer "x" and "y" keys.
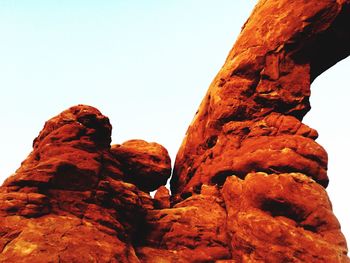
{"x": 262, "y": 92}
{"x": 66, "y": 203}
{"x": 272, "y": 144}
{"x": 195, "y": 228}
{"x": 162, "y": 198}
{"x": 67, "y": 152}
{"x": 250, "y": 122}
{"x": 281, "y": 218}
{"x": 147, "y": 165}
{"x": 59, "y": 238}
{"x": 249, "y": 177}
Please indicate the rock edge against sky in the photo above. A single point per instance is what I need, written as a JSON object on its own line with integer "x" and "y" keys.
{"x": 249, "y": 179}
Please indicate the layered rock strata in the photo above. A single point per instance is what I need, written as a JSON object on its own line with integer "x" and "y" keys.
{"x": 249, "y": 180}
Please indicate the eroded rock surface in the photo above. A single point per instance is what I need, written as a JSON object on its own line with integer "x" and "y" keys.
{"x": 281, "y": 218}
{"x": 70, "y": 201}
{"x": 148, "y": 165}
{"x": 249, "y": 180}
{"x": 262, "y": 93}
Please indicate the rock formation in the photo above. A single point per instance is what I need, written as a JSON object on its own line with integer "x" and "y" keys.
{"x": 262, "y": 93}
{"x": 249, "y": 179}
{"x": 71, "y": 200}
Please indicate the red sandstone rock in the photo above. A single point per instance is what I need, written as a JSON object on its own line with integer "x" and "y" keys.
{"x": 195, "y": 228}
{"x": 250, "y": 122}
{"x": 66, "y": 203}
{"x": 280, "y": 50}
{"x": 147, "y": 165}
{"x": 162, "y": 198}
{"x": 59, "y": 238}
{"x": 281, "y": 218}
{"x": 249, "y": 177}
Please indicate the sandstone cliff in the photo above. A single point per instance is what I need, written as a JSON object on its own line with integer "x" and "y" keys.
{"x": 249, "y": 179}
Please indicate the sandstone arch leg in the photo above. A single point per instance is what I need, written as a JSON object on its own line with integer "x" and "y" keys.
{"x": 250, "y": 121}
{"x": 263, "y": 89}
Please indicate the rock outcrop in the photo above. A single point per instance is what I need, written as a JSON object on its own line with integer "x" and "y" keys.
{"x": 71, "y": 200}
{"x": 259, "y": 97}
{"x": 249, "y": 179}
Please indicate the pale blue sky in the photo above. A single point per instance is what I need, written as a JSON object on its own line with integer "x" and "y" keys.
{"x": 144, "y": 64}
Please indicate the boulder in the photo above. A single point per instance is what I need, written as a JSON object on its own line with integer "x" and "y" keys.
{"x": 147, "y": 165}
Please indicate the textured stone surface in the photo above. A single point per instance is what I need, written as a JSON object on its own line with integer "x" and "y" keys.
{"x": 272, "y": 219}
{"x": 162, "y": 198}
{"x": 250, "y": 121}
{"x": 67, "y": 202}
{"x": 147, "y": 165}
{"x": 249, "y": 180}
{"x": 195, "y": 228}
{"x": 262, "y": 93}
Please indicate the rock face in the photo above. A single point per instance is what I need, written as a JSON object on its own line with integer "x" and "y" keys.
{"x": 249, "y": 179}
{"x": 70, "y": 201}
{"x": 253, "y": 109}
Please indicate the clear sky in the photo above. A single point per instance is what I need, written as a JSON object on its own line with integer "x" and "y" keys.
{"x": 144, "y": 64}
